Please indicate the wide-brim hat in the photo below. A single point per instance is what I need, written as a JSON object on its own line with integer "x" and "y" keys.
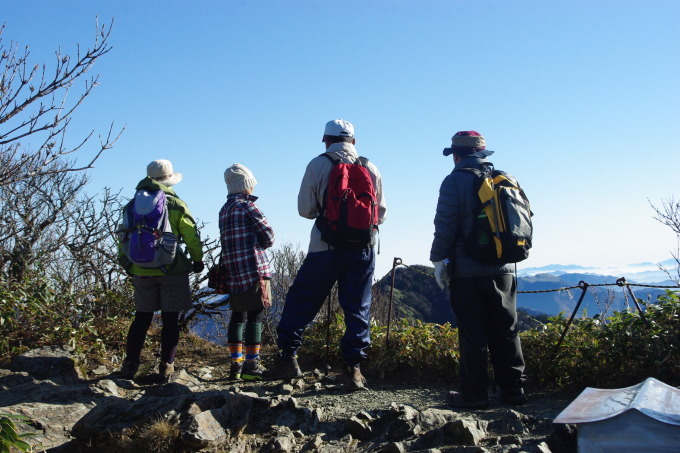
{"x": 161, "y": 171}
{"x": 468, "y": 143}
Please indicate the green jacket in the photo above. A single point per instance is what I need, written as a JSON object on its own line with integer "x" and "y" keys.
{"x": 183, "y": 226}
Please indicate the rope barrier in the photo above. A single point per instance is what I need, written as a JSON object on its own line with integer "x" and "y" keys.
{"x": 583, "y": 286}
{"x": 620, "y": 282}
{"x": 210, "y": 309}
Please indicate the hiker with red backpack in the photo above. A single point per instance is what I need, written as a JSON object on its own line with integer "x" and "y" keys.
{"x": 482, "y": 227}
{"x": 343, "y": 193}
{"x": 154, "y": 223}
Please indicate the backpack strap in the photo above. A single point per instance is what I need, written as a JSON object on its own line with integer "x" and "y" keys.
{"x": 479, "y": 175}
{"x": 128, "y": 218}
{"x": 475, "y": 171}
{"x": 486, "y": 168}
{"x": 363, "y": 161}
{"x": 335, "y": 160}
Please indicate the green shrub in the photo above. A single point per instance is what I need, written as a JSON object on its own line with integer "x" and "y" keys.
{"x": 9, "y": 438}
{"x": 619, "y": 351}
{"x": 35, "y": 313}
{"x": 424, "y": 348}
{"x": 414, "y": 346}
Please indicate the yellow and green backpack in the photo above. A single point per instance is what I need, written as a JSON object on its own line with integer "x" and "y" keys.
{"x": 501, "y": 231}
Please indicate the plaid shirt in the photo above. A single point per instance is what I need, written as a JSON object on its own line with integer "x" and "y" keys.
{"x": 244, "y": 235}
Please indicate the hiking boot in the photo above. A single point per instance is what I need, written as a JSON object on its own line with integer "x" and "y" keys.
{"x": 285, "y": 367}
{"x": 129, "y": 369}
{"x": 165, "y": 369}
{"x": 235, "y": 370}
{"x": 514, "y": 396}
{"x": 253, "y": 370}
{"x": 457, "y": 400}
{"x": 354, "y": 379}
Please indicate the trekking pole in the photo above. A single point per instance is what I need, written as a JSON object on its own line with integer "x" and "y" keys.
{"x": 584, "y": 286}
{"x": 622, "y": 282}
{"x": 328, "y": 334}
{"x": 395, "y": 263}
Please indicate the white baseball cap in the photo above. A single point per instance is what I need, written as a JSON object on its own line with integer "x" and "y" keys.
{"x": 339, "y": 128}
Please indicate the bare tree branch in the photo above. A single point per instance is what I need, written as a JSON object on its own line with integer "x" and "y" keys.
{"x": 669, "y": 215}
{"x": 35, "y": 105}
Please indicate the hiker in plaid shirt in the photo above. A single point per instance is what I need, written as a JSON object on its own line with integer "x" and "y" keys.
{"x": 245, "y": 235}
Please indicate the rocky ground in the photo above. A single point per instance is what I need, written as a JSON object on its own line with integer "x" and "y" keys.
{"x": 96, "y": 410}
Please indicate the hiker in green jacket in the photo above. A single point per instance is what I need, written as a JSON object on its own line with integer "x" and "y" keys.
{"x": 165, "y": 288}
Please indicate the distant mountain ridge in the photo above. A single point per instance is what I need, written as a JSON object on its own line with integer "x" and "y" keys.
{"x": 646, "y": 272}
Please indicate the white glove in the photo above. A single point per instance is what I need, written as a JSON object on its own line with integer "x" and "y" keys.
{"x": 439, "y": 269}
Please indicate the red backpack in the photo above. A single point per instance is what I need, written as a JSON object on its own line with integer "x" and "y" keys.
{"x": 349, "y": 216}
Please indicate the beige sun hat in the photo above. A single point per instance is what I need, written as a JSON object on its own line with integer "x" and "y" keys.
{"x": 161, "y": 171}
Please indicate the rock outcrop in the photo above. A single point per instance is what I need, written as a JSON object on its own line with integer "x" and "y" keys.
{"x": 68, "y": 410}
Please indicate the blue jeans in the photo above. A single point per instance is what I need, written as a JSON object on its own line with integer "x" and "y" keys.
{"x": 353, "y": 270}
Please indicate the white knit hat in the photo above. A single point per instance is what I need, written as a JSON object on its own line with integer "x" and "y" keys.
{"x": 161, "y": 171}
{"x": 239, "y": 178}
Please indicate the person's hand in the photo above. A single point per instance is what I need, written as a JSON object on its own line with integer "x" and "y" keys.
{"x": 439, "y": 269}
{"x": 266, "y": 293}
{"x": 198, "y": 267}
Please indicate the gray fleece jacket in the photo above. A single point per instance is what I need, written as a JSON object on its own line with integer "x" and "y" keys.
{"x": 315, "y": 181}
{"x": 454, "y": 219}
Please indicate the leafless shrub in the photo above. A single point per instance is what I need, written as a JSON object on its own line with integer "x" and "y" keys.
{"x": 669, "y": 214}
{"x": 286, "y": 259}
{"x": 34, "y": 220}
{"x": 47, "y": 225}
{"x": 380, "y": 306}
{"x": 211, "y": 254}
{"x": 605, "y": 300}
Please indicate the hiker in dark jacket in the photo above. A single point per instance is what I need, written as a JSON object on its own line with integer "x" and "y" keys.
{"x": 245, "y": 235}
{"x": 164, "y": 289}
{"x": 483, "y": 296}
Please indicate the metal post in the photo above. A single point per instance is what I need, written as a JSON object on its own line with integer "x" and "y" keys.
{"x": 328, "y": 334}
{"x": 622, "y": 282}
{"x": 584, "y": 286}
{"x": 395, "y": 263}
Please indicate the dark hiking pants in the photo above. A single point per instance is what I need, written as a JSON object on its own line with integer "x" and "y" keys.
{"x": 485, "y": 309}
{"x": 353, "y": 270}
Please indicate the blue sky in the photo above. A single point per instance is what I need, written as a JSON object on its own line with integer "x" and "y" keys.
{"x": 579, "y": 99}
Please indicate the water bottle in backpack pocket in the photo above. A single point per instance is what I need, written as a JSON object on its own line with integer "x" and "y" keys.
{"x": 146, "y": 237}
{"x": 483, "y": 233}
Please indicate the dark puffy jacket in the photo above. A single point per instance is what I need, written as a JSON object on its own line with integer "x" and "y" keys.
{"x": 454, "y": 219}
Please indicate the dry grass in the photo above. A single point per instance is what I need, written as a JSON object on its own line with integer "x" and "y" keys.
{"x": 158, "y": 436}
{"x": 161, "y": 435}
